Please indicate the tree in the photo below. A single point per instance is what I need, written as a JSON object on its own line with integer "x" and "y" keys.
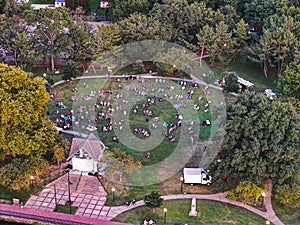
{"x": 261, "y": 141}
{"x": 16, "y": 175}
{"x": 124, "y": 8}
{"x": 200, "y": 15}
{"x": 289, "y": 194}
{"x": 120, "y": 162}
{"x": 173, "y": 15}
{"x": 2, "y": 6}
{"x": 285, "y": 37}
{"x": 241, "y": 37}
{"x": 25, "y": 130}
{"x": 294, "y": 102}
{"x": 257, "y": 11}
{"x": 51, "y": 25}
{"x": 246, "y": 192}
{"x": 231, "y": 83}
{"x": 74, "y": 4}
{"x": 216, "y": 42}
{"x": 15, "y": 40}
{"x": 230, "y": 16}
{"x": 81, "y": 50}
{"x": 107, "y": 38}
{"x": 289, "y": 81}
{"x": 262, "y": 52}
{"x": 138, "y": 27}
{"x": 153, "y": 200}
{"x": 206, "y": 37}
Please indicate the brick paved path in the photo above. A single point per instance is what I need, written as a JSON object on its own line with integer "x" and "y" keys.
{"x": 86, "y": 193}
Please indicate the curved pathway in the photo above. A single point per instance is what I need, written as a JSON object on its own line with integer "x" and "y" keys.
{"x": 221, "y": 197}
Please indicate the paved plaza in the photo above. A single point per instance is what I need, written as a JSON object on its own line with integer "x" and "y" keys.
{"x": 86, "y": 193}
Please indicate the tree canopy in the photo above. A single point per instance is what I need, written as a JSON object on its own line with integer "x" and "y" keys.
{"x": 25, "y": 130}
{"x": 289, "y": 81}
{"x": 261, "y": 141}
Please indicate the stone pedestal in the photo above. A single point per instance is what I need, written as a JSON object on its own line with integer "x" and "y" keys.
{"x": 193, "y": 211}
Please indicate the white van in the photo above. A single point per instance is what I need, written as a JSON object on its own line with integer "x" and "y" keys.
{"x": 196, "y": 176}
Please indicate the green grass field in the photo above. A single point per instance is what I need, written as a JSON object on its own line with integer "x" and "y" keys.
{"x": 164, "y": 110}
{"x": 5, "y": 194}
{"x": 288, "y": 215}
{"x": 250, "y": 72}
{"x": 209, "y": 212}
{"x": 66, "y": 209}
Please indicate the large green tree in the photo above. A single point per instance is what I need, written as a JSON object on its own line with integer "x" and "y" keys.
{"x": 123, "y": 8}
{"x": 261, "y": 52}
{"x": 261, "y": 141}
{"x": 16, "y": 42}
{"x": 256, "y": 11}
{"x": 51, "y": 26}
{"x": 153, "y": 200}
{"x": 81, "y": 50}
{"x": 138, "y": 27}
{"x": 25, "y": 130}
{"x": 74, "y": 4}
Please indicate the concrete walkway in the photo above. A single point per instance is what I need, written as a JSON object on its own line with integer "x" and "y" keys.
{"x": 87, "y": 194}
{"x": 221, "y": 197}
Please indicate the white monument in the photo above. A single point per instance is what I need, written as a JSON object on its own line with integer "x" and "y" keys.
{"x": 193, "y": 211}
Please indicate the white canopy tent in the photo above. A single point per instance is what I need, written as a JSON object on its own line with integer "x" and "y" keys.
{"x": 85, "y": 154}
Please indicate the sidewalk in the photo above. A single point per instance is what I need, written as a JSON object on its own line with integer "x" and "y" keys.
{"x": 221, "y": 197}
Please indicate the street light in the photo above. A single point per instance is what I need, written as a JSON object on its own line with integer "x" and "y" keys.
{"x": 263, "y": 195}
{"x": 31, "y": 181}
{"x": 113, "y": 194}
{"x": 174, "y": 68}
{"x": 69, "y": 183}
{"x": 165, "y": 216}
{"x": 181, "y": 184}
{"x": 268, "y": 222}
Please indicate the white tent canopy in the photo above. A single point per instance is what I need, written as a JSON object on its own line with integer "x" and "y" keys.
{"x": 85, "y": 154}
{"x": 244, "y": 82}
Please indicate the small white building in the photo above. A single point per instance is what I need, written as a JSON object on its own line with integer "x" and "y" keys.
{"x": 85, "y": 154}
{"x": 60, "y": 3}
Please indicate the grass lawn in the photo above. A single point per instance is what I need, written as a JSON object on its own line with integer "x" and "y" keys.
{"x": 93, "y": 5}
{"x": 6, "y": 194}
{"x": 164, "y": 110}
{"x": 169, "y": 186}
{"x": 288, "y": 215}
{"x": 250, "y": 72}
{"x": 209, "y": 212}
{"x": 65, "y": 208}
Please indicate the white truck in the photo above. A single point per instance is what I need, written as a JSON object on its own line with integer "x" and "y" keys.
{"x": 196, "y": 176}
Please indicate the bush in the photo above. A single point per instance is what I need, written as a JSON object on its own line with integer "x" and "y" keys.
{"x": 288, "y": 194}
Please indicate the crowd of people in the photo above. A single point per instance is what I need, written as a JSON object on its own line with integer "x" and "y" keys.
{"x": 92, "y": 114}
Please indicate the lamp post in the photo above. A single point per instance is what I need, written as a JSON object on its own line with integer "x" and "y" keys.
{"x": 263, "y": 195}
{"x": 165, "y": 216}
{"x": 69, "y": 190}
{"x": 31, "y": 181}
{"x": 113, "y": 194}
{"x": 181, "y": 184}
{"x": 55, "y": 197}
{"x": 174, "y": 68}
